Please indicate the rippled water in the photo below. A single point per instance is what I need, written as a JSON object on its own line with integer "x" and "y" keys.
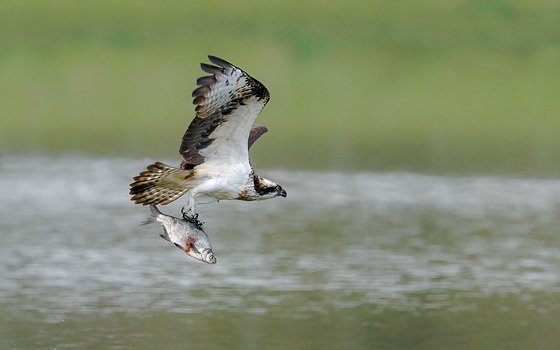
{"x": 71, "y": 246}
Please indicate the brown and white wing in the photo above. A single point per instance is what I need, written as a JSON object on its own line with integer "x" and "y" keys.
{"x": 227, "y": 104}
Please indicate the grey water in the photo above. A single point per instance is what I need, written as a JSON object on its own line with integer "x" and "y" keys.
{"x": 347, "y": 260}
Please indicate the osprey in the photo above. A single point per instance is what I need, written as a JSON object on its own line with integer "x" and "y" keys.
{"x": 215, "y": 147}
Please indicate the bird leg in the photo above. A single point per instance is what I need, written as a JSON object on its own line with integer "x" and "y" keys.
{"x": 190, "y": 208}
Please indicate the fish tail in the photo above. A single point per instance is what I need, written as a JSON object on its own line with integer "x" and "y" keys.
{"x": 153, "y": 217}
{"x": 160, "y": 184}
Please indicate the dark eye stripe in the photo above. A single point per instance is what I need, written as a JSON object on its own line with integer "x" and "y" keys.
{"x": 270, "y": 189}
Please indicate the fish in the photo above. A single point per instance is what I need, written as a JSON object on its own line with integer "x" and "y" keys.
{"x": 186, "y": 234}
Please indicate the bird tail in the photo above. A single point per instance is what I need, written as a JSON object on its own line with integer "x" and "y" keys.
{"x": 159, "y": 184}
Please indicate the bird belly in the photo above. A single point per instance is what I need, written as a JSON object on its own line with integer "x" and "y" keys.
{"x": 221, "y": 183}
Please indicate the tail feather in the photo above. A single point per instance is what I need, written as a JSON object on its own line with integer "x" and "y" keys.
{"x": 159, "y": 184}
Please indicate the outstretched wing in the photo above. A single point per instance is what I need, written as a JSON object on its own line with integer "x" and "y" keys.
{"x": 228, "y": 102}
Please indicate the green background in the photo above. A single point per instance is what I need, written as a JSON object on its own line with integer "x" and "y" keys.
{"x": 459, "y": 87}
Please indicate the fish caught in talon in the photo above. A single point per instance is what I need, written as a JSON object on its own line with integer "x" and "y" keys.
{"x": 214, "y": 157}
{"x": 184, "y": 234}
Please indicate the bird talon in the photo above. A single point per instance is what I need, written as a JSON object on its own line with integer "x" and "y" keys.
{"x": 193, "y": 219}
{"x": 186, "y": 215}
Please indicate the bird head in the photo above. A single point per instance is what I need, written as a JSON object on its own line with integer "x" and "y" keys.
{"x": 268, "y": 189}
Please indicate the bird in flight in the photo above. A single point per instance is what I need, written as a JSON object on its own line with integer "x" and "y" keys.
{"x": 215, "y": 148}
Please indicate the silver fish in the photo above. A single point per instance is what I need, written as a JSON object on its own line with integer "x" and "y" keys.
{"x": 187, "y": 235}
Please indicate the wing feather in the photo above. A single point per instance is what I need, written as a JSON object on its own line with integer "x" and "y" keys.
{"x": 257, "y": 131}
{"x": 211, "y": 69}
{"x": 227, "y": 104}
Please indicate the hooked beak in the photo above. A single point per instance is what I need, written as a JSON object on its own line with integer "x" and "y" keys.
{"x": 283, "y": 193}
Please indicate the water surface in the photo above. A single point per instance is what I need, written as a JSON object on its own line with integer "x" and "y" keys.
{"x": 355, "y": 261}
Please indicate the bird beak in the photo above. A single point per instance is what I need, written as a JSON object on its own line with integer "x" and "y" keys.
{"x": 283, "y": 193}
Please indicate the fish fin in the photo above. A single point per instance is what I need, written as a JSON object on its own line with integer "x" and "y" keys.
{"x": 165, "y": 234}
{"x": 165, "y": 237}
{"x": 148, "y": 221}
{"x": 153, "y": 217}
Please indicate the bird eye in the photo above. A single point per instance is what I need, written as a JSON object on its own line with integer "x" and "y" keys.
{"x": 277, "y": 188}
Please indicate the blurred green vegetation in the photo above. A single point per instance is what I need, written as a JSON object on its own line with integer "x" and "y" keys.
{"x": 431, "y": 86}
